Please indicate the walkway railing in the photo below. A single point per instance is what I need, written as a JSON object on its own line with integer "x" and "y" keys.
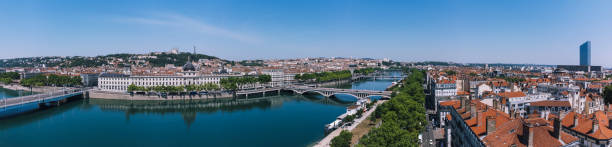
{"x": 37, "y": 97}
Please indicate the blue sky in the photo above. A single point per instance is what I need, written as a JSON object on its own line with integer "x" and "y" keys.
{"x": 501, "y": 31}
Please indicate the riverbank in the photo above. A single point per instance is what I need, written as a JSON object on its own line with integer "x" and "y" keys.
{"x": 96, "y": 94}
{"x": 325, "y": 142}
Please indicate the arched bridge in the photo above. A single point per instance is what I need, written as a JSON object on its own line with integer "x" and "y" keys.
{"x": 328, "y": 92}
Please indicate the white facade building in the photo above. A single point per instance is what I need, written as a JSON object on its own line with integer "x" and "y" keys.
{"x": 277, "y": 76}
{"x": 120, "y": 82}
{"x": 446, "y": 89}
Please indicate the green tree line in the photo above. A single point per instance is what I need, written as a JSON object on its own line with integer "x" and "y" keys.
{"x": 8, "y": 77}
{"x": 607, "y": 94}
{"x": 234, "y": 83}
{"x": 175, "y": 89}
{"x": 342, "y": 140}
{"x": 403, "y": 117}
{"x": 51, "y": 80}
{"x": 324, "y": 76}
{"x": 366, "y": 71}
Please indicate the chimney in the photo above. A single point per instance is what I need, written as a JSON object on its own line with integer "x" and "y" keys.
{"x": 495, "y": 101}
{"x": 557, "y": 128}
{"x": 462, "y": 103}
{"x": 527, "y": 134}
{"x": 530, "y": 138}
{"x": 490, "y": 124}
{"x": 511, "y": 113}
{"x": 473, "y": 110}
{"x": 515, "y": 114}
{"x": 575, "y": 120}
{"x": 595, "y": 124}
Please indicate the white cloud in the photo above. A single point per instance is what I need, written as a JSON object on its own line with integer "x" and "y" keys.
{"x": 184, "y": 22}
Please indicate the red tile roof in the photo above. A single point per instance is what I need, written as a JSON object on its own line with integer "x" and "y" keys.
{"x": 585, "y": 124}
{"x": 551, "y": 103}
{"x": 512, "y": 94}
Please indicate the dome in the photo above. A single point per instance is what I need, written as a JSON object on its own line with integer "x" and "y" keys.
{"x": 188, "y": 67}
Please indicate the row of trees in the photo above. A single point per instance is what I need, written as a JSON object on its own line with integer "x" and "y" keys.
{"x": 607, "y": 94}
{"x": 8, "y": 77}
{"x": 235, "y": 83}
{"x": 51, "y": 80}
{"x": 366, "y": 71}
{"x": 403, "y": 117}
{"x": 324, "y": 76}
{"x": 342, "y": 140}
{"x": 231, "y": 83}
{"x": 174, "y": 89}
{"x": 514, "y": 79}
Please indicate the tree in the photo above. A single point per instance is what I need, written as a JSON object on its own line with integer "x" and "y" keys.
{"x": 342, "y": 140}
{"x": 473, "y": 74}
{"x": 403, "y": 117}
{"x": 10, "y": 75}
{"x": 158, "y": 90}
{"x": 148, "y": 90}
{"x": 229, "y": 83}
{"x": 389, "y": 134}
{"x": 131, "y": 88}
{"x": 450, "y": 72}
{"x": 265, "y": 79}
{"x": 6, "y": 80}
{"x": 607, "y": 94}
{"x": 191, "y": 88}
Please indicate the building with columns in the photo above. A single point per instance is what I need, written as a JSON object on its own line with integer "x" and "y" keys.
{"x": 119, "y": 82}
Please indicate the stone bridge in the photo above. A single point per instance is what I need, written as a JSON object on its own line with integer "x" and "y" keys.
{"x": 328, "y": 92}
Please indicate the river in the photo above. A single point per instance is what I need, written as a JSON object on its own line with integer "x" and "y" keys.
{"x": 7, "y": 93}
{"x": 286, "y": 120}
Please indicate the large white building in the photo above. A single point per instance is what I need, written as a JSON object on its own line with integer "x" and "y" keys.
{"x": 446, "y": 88}
{"x": 119, "y": 82}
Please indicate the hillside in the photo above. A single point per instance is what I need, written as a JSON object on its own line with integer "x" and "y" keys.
{"x": 154, "y": 59}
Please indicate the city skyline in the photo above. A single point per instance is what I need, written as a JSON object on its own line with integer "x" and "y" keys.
{"x": 542, "y": 32}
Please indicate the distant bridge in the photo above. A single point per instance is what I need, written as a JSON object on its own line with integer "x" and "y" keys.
{"x": 358, "y": 77}
{"x": 16, "y": 105}
{"x": 328, "y": 92}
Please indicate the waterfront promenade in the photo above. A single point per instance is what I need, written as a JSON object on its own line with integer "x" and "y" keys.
{"x": 125, "y": 96}
{"x": 325, "y": 142}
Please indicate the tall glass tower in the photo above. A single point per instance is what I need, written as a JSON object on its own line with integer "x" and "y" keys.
{"x": 585, "y": 54}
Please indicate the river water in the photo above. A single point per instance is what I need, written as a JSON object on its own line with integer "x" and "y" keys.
{"x": 7, "y": 93}
{"x": 284, "y": 121}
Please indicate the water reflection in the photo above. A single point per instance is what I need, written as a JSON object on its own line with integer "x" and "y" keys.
{"x": 189, "y": 108}
{"x": 7, "y": 93}
{"x": 36, "y": 116}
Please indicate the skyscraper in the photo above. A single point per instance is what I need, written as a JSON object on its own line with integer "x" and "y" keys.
{"x": 585, "y": 54}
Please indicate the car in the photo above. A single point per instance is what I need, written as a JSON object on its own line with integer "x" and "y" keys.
{"x": 420, "y": 138}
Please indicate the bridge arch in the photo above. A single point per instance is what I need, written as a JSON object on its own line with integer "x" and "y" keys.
{"x": 331, "y": 92}
{"x": 315, "y": 91}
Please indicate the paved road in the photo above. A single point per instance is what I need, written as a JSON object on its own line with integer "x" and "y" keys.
{"x": 327, "y": 140}
{"x": 428, "y": 135}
